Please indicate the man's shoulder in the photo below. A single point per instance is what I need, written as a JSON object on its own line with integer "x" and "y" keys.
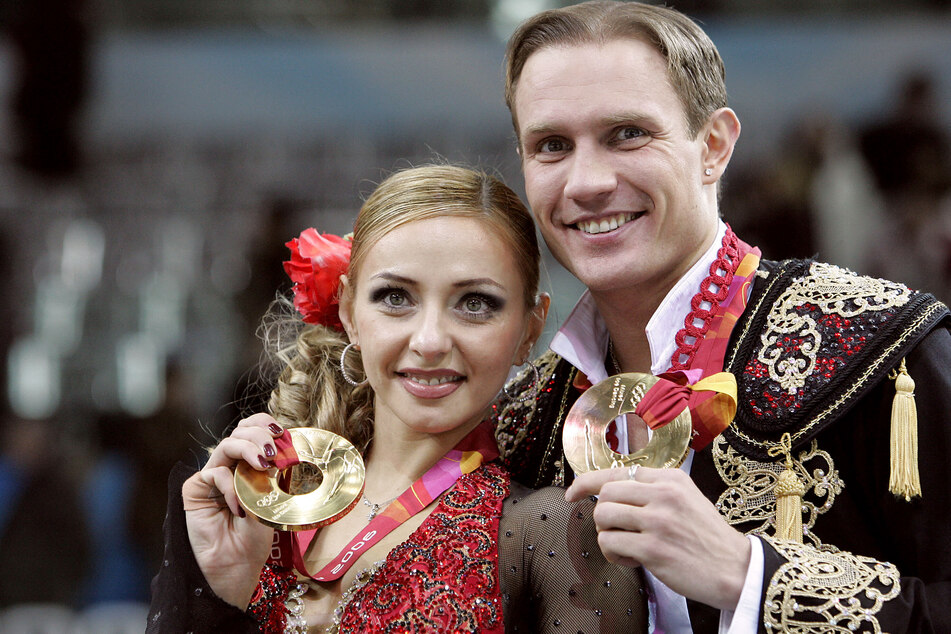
{"x": 814, "y": 339}
{"x": 529, "y": 418}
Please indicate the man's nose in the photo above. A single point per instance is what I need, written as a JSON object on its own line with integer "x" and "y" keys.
{"x": 592, "y": 174}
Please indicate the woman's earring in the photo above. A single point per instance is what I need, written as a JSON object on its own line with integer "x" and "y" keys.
{"x": 343, "y": 367}
{"x": 528, "y": 394}
{"x": 708, "y": 171}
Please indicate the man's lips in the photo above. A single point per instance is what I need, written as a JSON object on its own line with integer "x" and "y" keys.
{"x": 609, "y": 223}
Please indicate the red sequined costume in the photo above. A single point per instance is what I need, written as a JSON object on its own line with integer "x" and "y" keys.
{"x": 487, "y": 559}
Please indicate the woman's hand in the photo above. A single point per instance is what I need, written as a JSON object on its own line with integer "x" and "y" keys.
{"x": 662, "y": 521}
{"x": 230, "y": 547}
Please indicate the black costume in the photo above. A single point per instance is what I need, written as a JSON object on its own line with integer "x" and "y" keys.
{"x": 812, "y": 354}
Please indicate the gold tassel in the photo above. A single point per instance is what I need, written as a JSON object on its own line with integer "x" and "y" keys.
{"x": 789, "y": 491}
{"x": 903, "y": 478}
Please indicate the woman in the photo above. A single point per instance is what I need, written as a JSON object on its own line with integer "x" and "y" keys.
{"x": 438, "y": 302}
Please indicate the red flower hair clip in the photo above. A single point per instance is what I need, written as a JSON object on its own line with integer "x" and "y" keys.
{"x": 316, "y": 264}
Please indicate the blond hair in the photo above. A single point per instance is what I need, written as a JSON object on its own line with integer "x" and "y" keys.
{"x": 310, "y": 390}
{"x": 694, "y": 67}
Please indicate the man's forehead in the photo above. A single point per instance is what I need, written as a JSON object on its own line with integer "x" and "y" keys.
{"x": 620, "y": 81}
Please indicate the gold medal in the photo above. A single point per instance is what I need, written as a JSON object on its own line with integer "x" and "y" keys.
{"x": 342, "y": 477}
{"x": 585, "y": 445}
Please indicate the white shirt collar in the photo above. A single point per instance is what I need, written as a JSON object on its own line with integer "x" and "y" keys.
{"x": 583, "y": 338}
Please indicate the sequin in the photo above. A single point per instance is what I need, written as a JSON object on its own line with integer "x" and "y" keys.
{"x": 456, "y": 547}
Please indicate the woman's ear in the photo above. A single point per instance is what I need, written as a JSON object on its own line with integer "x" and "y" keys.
{"x": 536, "y": 325}
{"x": 345, "y": 309}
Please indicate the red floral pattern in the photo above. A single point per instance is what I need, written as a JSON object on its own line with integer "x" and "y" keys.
{"x": 267, "y": 604}
{"x": 839, "y": 338}
{"x": 316, "y": 264}
{"x": 443, "y": 578}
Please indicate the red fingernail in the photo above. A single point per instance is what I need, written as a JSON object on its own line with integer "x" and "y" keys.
{"x": 276, "y": 429}
{"x": 263, "y": 462}
{"x": 269, "y": 451}
{"x": 241, "y": 512}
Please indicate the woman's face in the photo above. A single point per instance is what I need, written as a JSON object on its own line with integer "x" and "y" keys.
{"x": 437, "y": 309}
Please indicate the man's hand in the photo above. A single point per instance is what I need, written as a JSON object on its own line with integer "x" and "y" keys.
{"x": 662, "y": 521}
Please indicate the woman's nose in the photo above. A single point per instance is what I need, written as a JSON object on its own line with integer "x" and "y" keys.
{"x": 430, "y": 338}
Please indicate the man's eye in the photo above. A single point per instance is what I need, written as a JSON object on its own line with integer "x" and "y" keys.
{"x": 552, "y": 145}
{"x": 631, "y": 136}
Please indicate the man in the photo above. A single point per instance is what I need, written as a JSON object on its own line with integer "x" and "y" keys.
{"x": 812, "y": 510}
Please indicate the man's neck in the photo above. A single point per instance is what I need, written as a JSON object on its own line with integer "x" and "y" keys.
{"x": 626, "y": 313}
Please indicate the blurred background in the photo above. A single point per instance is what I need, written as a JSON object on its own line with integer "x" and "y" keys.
{"x": 155, "y": 155}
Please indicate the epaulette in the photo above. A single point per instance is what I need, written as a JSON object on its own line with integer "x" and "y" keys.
{"x": 814, "y": 339}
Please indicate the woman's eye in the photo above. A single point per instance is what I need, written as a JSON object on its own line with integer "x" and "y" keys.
{"x": 474, "y": 304}
{"x": 390, "y": 298}
{"x": 480, "y": 307}
{"x": 396, "y": 298}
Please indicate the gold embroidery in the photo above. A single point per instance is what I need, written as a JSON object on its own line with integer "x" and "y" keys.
{"x": 832, "y": 290}
{"x": 749, "y": 496}
{"x": 828, "y": 591}
{"x": 515, "y": 417}
{"x": 870, "y": 370}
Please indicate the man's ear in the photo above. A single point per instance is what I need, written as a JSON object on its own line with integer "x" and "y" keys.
{"x": 536, "y": 325}
{"x": 719, "y": 138}
{"x": 345, "y": 309}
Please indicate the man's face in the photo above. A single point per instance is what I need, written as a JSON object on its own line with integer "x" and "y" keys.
{"x": 614, "y": 181}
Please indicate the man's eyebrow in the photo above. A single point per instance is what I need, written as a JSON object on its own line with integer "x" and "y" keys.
{"x": 608, "y": 121}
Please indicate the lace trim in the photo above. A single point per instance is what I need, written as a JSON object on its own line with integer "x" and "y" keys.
{"x": 749, "y": 496}
{"x": 792, "y": 339}
{"x": 828, "y": 591}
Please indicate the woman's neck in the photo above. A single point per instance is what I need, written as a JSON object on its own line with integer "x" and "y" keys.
{"x": 398, "y": 457}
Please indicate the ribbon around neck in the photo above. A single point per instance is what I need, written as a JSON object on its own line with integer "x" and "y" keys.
{"x": 705, "y": 389}
{"x": 289, "y": 549}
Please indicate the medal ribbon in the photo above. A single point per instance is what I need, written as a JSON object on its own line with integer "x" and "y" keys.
{"x": 707, "y": 391}
{"x": 477, "y": 447}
